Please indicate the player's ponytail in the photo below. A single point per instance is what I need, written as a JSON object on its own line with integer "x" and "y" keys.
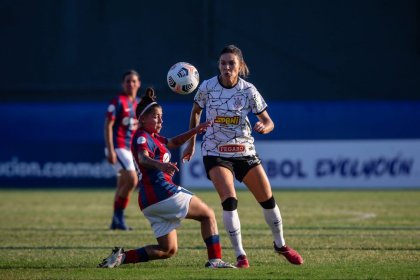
{"x": 148, "y": 101}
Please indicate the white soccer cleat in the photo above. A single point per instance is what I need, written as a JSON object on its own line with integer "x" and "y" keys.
{"x": 114, "y": 259}
{"x": 218, "y": 263}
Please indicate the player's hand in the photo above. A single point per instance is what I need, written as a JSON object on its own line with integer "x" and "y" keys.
{"x": 112, "y": 157}
{"x": 188, "y": 153}
{"x": 259, "y": 127}
{"x": 202, "y": 127}
{"x": 170, "y": 168}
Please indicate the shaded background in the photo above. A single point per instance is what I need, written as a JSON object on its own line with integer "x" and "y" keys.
{"x": 328, "y": 69}
{"x": 296, "y": 50}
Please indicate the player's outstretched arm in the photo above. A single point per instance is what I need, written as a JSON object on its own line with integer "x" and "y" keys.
{"x": 194, "y": 120}
{"x": 178, "y": 140}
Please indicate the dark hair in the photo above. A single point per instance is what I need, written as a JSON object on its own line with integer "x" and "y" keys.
{"x": 243, "y": 71}
{"x": 130, "y": 72}
{"x": 148, "y": 97}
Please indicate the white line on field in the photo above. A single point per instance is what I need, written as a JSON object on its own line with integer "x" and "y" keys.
{"x": 358, "y": 215}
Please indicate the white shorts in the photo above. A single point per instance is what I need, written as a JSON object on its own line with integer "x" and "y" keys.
{"x": 124, "y": 159}
{"x": 166, "y": 215}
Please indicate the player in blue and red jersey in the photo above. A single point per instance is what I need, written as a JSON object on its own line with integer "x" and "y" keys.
{"x": 120, "y": 126}
{"x": 162, "y": 202}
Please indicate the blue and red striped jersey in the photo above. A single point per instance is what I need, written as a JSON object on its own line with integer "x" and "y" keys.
{"x": 154, "y": 185}
{"x": 122, "y": 110}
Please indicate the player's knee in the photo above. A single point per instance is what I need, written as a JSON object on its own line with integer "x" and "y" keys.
{"x": 172, "y": 251}
{"x": 129, "y": 178}
{"x": 268, "y": 204}
{"x": 133, "y": 178}
{"x": 230, "y": 204}
{"x": 211, "y": 216}
{"x": 169, "y": 252}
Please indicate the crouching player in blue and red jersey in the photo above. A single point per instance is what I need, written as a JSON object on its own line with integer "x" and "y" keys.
{"x": 162, "y": 202}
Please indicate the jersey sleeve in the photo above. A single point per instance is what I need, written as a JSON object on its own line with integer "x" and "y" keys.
{"x": 143, "y": 143}
{"x": 256, "y": 101}
{"x": 111, "y": 113}
{"x": 201, "y": 95}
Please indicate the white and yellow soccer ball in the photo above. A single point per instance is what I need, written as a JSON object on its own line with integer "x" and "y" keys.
{"x": 183, "y": 78}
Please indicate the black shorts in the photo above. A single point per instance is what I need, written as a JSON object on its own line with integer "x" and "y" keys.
{"x": 239, "y": 166}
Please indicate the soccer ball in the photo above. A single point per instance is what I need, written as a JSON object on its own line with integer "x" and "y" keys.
{"x": 183, "y": 78}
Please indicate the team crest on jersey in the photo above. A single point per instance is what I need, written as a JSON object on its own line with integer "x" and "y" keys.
{"x": 166, "y": 157}
{"x": 141, "y": 140}
{"x": 231, "y": 148}
{"x": 111, "y": 108}
{"x": 237, "y": 103}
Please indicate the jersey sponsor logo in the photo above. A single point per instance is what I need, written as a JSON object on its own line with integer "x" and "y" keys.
{"x": 231, "y": 148}
{"x": 130, "y": 122}
{"x": 226, "y": 120}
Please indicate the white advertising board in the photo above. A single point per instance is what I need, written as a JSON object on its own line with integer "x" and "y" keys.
{"x": 328, "y": 164}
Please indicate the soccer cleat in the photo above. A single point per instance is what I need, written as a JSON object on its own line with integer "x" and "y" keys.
{"x": 119, "y": 223}
{"x": 114, "y": 259}
{"x": 242, "y": 262}
{"x": 218, "y": 263}
{"x": 291, "y": 255}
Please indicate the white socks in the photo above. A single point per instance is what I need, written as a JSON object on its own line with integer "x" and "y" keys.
{"x": 233, "y": 229}
{"x": 273, "y": 219}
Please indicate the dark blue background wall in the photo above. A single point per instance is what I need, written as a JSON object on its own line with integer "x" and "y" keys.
{"x": 296, "y": 50}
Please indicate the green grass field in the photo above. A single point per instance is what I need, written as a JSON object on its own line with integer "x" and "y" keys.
{"x": 341, "y": 235}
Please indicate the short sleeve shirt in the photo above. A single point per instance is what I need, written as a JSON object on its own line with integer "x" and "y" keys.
{"x": 228, "y": 109}
{"x": 122, "y": 110}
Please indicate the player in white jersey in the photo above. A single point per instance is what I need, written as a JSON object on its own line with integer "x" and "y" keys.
{"x": 228, "y": 108}
{"x": 228, "y": 148}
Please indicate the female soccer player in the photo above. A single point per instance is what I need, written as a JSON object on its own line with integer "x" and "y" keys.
{"x": 120, "y": 125}
{"x": 228, "y": 148}
{"x": 162, "y": 202}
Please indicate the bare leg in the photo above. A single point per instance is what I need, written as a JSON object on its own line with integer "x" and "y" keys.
{"x": 199, "y": 211}
{"x": 166, "y": 248}
{"x": 257, "y": 182}
{"x": 127, "y": 183}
